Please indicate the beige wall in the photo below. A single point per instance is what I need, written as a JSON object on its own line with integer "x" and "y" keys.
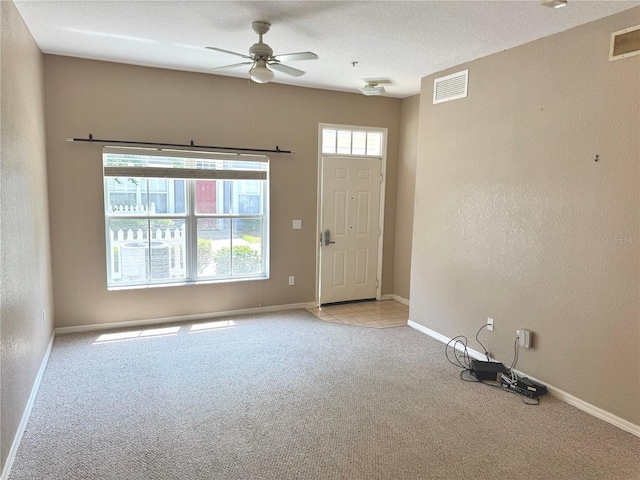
{"x": 25, "y": 273}
{"x": 514, "y": 216}
{"x": 119, "y": 101}
{"x": 407, "y": 155}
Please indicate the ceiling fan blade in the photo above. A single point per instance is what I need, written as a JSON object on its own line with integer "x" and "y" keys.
{"x": 291, "y": 57}
{"x": 294, "y": 72}
{"x": 229, "y": 52}
{"x": 378, "y": 81}
{"x": 232, "y": 65}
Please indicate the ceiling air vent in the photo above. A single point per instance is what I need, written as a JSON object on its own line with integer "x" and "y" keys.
{"x": 450, "y": 87}
{"x": 625, "y": 43}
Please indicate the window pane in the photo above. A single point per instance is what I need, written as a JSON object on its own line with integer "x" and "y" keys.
{"x": 127, "y": 241}
{"x": 139, "y": 196}
{"x": 168, "y": 249}
{"x": 166, "y": 195}
{"x": 242, "y": 197}
{"x": 214, "y": 247}
{"x": 213, "y": 196}
{"x": 344, "y": 141}
{"x": 328, "y": 140}
{"x": 374, "y": 141}
{"x": 228, "y": 165}
{"x": 136, "y": 258}
{"x": 248, "y": 197}
{"x": 247, "y": 246}
{"x": 359, "y": 143}
{"x": 211, "y": 163}
{"x": 126, "y": 196}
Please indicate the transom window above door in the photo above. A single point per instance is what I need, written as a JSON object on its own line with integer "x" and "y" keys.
{"x": 351, "y": 142}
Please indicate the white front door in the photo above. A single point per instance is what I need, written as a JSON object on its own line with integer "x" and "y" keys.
{"x": 350, "y": 207}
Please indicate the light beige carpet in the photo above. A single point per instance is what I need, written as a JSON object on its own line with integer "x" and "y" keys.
{"x": 287, "y": 396}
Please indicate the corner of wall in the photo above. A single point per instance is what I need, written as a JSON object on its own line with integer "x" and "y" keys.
{"x": 405, "y": 195}
{"x": 25, "y": 273}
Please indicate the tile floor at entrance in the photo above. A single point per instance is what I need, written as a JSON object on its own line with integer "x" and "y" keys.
{"x": 372, "y": 314}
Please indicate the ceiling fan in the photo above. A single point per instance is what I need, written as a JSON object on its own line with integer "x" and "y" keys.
{"x": 261, "y": 57}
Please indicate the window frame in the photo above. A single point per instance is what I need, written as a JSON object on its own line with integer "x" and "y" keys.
{"x": 351, "y": 130}
{"x": 190, "y": 217}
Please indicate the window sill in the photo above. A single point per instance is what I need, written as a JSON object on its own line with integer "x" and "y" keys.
{"x": 185, "y": 284}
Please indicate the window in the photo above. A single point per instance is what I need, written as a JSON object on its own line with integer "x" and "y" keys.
{"x": 183, "y": 217}
{"x": 351, "y": 142}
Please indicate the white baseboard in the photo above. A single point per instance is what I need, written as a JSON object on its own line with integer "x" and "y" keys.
{"x": 180, "y": 318}
{"x": 393, "y": 296}
{"x": 556, "y": 392}
{"x": 441, "y": 338}
{"x": 588, "y": 408}
{"x": 401, "y": 300}
{"x": 27, "y": 412}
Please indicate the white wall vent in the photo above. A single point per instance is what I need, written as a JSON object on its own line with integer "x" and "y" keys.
{"x": 451, "y": 87}
{"x": 625, "y": 43}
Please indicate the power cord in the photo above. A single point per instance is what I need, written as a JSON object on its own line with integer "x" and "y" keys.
{"x": 513, "y": 377}
{"x": 459, "y": 344}
{"x": 516, "y": 352}
{"x": 462, "y": 360}
{"x": 486, "y": 352}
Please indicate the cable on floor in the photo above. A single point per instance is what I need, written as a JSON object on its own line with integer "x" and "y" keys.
{"x": 459, "y": 357}
{"x": 470, "y": 378}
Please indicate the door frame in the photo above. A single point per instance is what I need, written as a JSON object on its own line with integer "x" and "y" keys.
{"x": 383, "y": 184}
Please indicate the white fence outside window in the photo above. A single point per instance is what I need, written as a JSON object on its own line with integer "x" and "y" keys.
{"x": 130, "y": 260}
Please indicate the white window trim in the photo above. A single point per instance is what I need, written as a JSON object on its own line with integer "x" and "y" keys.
{"x": 190, "y": 216}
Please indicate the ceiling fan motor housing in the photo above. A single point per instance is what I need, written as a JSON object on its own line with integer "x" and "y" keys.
{"x": 260, "y": 50}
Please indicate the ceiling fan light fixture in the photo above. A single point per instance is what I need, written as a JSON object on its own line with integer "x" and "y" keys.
{"x": 260, "y": 73}
{"x": 554, "y": 3}
{"x": 372, "y": 89}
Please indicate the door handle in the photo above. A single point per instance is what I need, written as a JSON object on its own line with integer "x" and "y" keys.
{"x": 326, "y": 238}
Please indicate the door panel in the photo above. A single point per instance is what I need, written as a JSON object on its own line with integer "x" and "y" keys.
{"x": 339, "y": 268}
{"x": 340, "y": 215}
{"x": 362, "y": 267}
{"x": 363, "y": 214}
{"x": 350, "y": 207}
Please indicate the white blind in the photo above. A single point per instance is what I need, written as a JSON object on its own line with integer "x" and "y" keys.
{"x": 154, "y": 163}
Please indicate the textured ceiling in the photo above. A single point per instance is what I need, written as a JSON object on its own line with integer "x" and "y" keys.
{"x": 395, "y": 41}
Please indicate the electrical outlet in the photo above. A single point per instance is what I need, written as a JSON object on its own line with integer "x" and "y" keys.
{"x": 490, "y": 324}
{"x": 44, "y": 316}
{"x": 297, "y": 224}
{"x": 524, "y": 338}
{"x": 292, "y": 280}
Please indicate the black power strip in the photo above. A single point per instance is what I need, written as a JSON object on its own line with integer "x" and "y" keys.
{"x": 526, "y": 387}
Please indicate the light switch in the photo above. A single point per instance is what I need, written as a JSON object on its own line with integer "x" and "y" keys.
{"x": 297, "y": 224}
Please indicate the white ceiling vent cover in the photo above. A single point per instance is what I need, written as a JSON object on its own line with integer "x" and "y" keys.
{"x": 625, "y": 43}
{"x": 451, "y": 87}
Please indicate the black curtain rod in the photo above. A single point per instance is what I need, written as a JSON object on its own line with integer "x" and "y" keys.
{"x": 179, "y": 145}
